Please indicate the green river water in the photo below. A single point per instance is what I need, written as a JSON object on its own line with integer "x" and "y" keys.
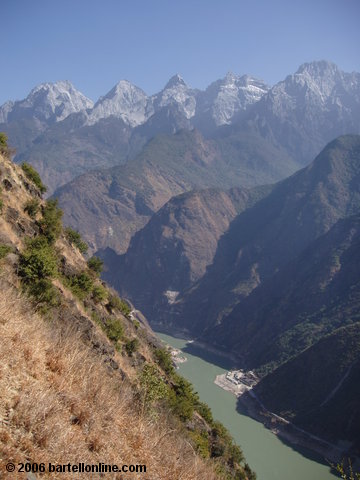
{"x": 267, "y": 455}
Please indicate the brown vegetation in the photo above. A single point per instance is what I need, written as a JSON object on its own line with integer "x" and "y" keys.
{"x": 60, "y": 404}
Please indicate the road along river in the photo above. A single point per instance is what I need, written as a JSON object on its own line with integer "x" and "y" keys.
{"x": 268, "y": 456}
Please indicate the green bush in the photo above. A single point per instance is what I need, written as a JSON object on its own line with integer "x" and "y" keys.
{"x": 204, "y": 411}
{"x": 32, "y": 207}
{"x": 183, "y": 398}
{"x": 250, "y": 475}
{"x": 95, "y": 264}
{"x": 116, "y": 303}
{"x": 50, "y": 224}
{"x": 182, "y": 407}
{"x": 4, "y": 250}
{"x": 223, "y": 445}
{"x": 33, "y": 176}
{"x": 99, "y": 294}
{"x": 201, "y": 443}
{"x": 163, "y": 358}
{"x": 3, "y": 143}
{"x": 97, "y": 319}
{"x": 38, "y": 261}
{"x": 74, "y": 238}
{"x": 114, "y": 329}
{"x": 81, "y": 285}
{"x": 131, "y": 346}
{"x": 37, "y": 265}
{"x": 152, "y": 385}
{"x": 45, "y": 294}
{"x": 125, "y": 309}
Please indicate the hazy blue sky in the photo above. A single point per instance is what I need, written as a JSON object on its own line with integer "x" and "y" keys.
{"x": 94, "y": 44}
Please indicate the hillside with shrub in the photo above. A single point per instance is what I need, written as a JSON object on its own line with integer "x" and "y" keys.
{"x": 82, "y": 377}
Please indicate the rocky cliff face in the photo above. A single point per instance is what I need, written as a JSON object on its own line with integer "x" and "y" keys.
{"x": 125, "y": 101}
{"x": 303, "y": 391}
{"x": 224, "y": 101}
{"x": 47, "y": 102}
{"x": 173, "y": 250}
{"x": 263, "y": 239}
{"x": 308, "y": 109}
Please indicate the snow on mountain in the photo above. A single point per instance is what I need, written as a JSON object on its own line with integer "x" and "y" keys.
{"x": 5, "y": 110}
{"x": 55, "y": 101}
{"x": 225, "y": 98}
{"x": 316, "y": 85}
{"x": 308, "y": 109}
{"x": 176, "y": 91}
{"x": 125, "y": 101}
{"x": 47, "y": 102}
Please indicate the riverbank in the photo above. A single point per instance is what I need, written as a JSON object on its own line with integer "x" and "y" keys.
{"x": 177, "y": 356}
{"x": 159, "y": 328}
{"x": 291, "y": 433}
{"x": 240, "y": 384}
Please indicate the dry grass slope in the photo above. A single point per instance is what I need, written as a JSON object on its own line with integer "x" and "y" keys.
{"x": 60, "y": 404}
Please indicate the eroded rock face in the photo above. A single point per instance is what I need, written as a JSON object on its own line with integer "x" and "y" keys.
{"x": 225, "y": 100}
{"x": 265, "y": 238}
{"x": 175, "y": 247}
{"x": 7, "y": 184}
{"x": 309, "y": 109}
{"x": 125, "y": 101}
{"x": 48, "y": 102}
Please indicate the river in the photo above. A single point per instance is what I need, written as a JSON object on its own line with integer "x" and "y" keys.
{"x": 267, "y": 455}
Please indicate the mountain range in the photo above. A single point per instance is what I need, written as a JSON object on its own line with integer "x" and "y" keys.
{"x": 58, "y": 128}
{"x": 110, "y": 206}
{"x": 251, "y": 151}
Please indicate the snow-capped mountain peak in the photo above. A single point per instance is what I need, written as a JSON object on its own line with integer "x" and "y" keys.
{"x": 176, "y": 92}
{"x": 318, "y": 69}
{"x": 47, "y": 102}
{"x": 230, "y": 78}
{"x": 175, "y": 81}
{"x": 314, "y": 85}
{"x": 125, "y": 101}
{"x": 231, "y": 95}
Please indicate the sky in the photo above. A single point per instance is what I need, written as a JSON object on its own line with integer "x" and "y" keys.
{"x": 94, "y": 43}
